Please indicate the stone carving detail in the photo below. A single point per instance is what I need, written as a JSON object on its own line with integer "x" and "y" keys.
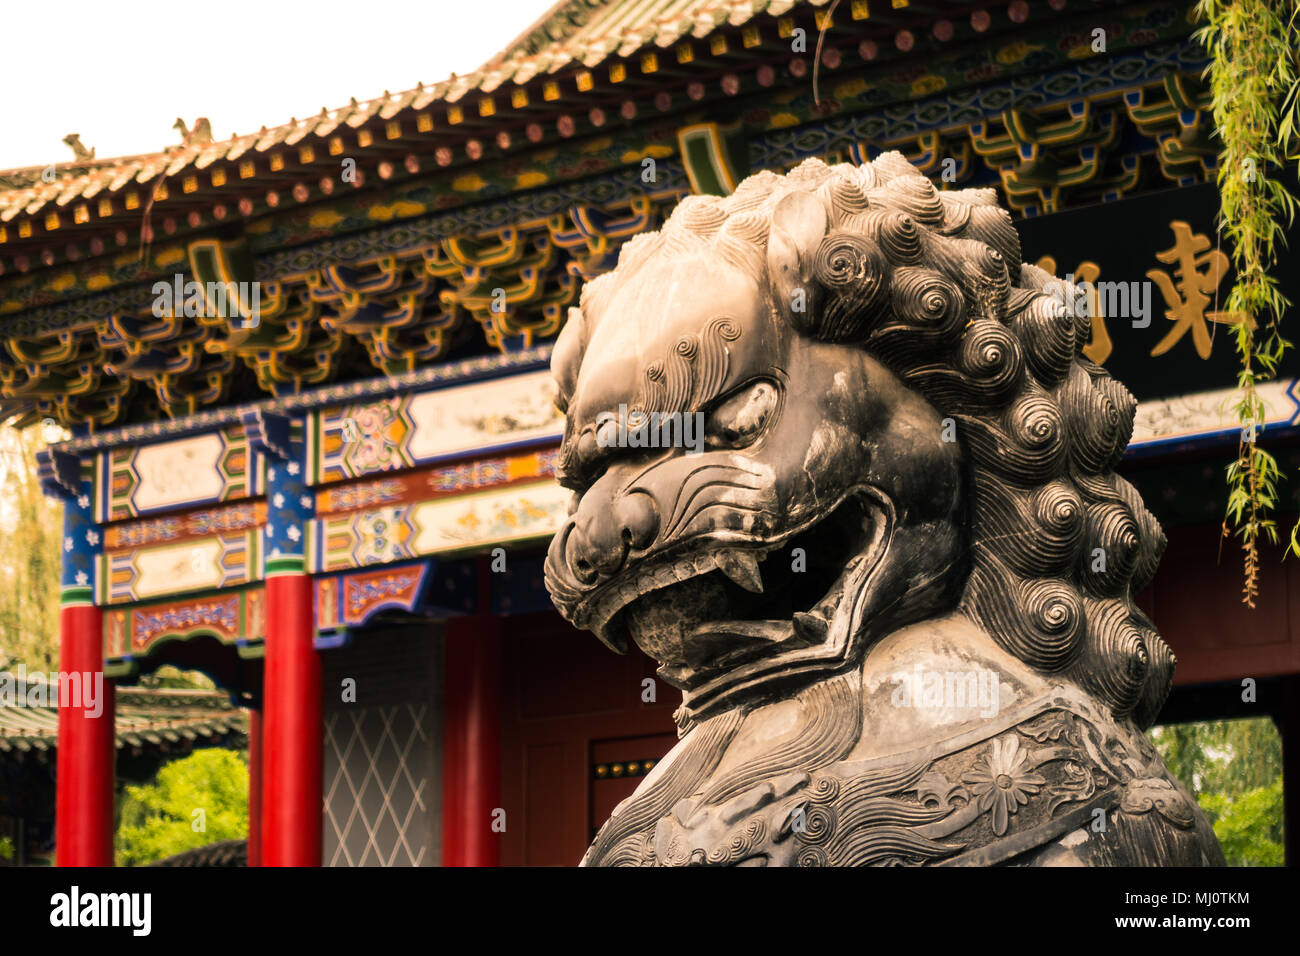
{"x": 907, "y": 464}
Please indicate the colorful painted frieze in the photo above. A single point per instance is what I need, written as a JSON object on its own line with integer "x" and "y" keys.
{"x": 231, "y": 618}
{"x": 196, "y": 524}
{"x": 202, "y": 469}
{"x": 438, "y": 482}
{"x": 202, "y": 564}
{"x": 1204, "y": 415}
{"x": 404, "y": 431}
{"x": 516, "y": 513}
{"x": 354, "y": 598}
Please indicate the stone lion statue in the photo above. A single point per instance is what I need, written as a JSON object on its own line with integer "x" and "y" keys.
{"x": 893, "y": 572}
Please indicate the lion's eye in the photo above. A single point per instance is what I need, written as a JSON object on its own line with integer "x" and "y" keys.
{"x": 740, "y": 419}
{"x": 607, "y": 433}
{"x": 591, "y": 454}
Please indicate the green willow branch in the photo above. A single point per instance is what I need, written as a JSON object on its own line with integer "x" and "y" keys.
{"x": 1253, "y": 86}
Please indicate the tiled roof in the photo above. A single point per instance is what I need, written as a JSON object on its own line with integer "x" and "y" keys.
{"x": 586, "y": 32}
{"x": 226, "y": 853}
{"x": 589, "y": 32}
{"x": 145, "y": 718}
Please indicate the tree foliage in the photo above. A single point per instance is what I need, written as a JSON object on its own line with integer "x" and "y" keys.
{"x": 159, "y": 819}
{"x": 1234, "y": 767}
{"x": 31, "y": 532}
{"x": 31, "y": 537}
{"x": 1254, "y": 87}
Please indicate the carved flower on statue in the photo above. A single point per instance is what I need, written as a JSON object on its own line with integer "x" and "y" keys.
{"x": 92, "y": 538}
{"x": 278, "y": 500}
{"x": 1001, "y": 782}
{"x": 83, "y": 578}
{"x": 294, "y": 533}
{"x": 292, "y": 467}
{"x": 67, "y": 544}
{"x": 83, "y": 501}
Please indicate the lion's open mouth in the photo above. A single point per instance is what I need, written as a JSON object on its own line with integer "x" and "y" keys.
{"x": 714, "y": 603}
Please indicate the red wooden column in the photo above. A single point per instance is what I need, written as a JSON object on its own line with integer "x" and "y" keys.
{"x": 254, "y": 787}
{"x": 471, "y": 756}
{"x": 291, "y": 727}
{"x": 86, "y": 758}
{"x": 291, "y": 681}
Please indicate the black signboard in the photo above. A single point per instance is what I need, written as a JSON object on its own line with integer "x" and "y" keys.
{"x": 1158, "y": 281}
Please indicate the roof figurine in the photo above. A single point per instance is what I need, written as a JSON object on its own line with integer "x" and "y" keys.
{"x": 201, "y": 135}
{"x": 73, "y": 142}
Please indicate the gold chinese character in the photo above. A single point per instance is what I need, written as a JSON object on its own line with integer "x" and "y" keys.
{"x": 1199, "y": 272}
{"x": 1099, "y": 346}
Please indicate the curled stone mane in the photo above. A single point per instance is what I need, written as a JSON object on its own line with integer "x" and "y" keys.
{"x": 929, "y": 284}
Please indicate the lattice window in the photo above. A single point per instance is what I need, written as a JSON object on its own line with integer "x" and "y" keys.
{"x": 378, "y": 786}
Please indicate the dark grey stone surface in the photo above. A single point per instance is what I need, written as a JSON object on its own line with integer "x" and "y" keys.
{"x": 871, "y": 529}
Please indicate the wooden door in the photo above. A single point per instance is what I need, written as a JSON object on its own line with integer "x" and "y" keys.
{"x": 576, "y": 736}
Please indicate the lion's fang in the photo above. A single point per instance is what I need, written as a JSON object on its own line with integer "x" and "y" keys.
{"x": 741, "y": 567}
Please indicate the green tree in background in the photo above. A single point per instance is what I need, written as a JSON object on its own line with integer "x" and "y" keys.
{"x": 159, "y": 819}
{"x": 1234, "y": 767}
{"x": 31, "y": 536}
{"x": 31, "y": 533}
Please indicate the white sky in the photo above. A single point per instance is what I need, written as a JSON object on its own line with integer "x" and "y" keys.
{"x": 120, "y": 72}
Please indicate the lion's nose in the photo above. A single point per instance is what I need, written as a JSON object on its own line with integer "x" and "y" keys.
{"x": 603, "y": 535}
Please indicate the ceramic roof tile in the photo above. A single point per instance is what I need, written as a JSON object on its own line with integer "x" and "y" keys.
{"x": 428, "y": 95}
{"x": 142, "y": 716}
{"x": 301, "y": 131}
{"x": 742, "y": 11}
{"x": 124, "y": 175}
{"x": 396, "y": 103}
{"x": 560, "y": 60}
{"x": 324, "y": 123}
{"x": 270, "y": 138}
{"x": 620, "y": 17}
{"x": 582, "y": 31}
{"x": 494, "y": 78}
{"x": 361, "y": 113}
{"x": 527, "y": 70}
{"x": 708, "y": 22}
{"x": 460, "y": 86}
{"x": 596, "y": 52}
{"x": 96, "y": 184}
{"x": 182, "y": 159}
{"x": 74, "y": 190}
{"x": 151, "y": 168}
{"x": 211, "y": 154}
{"x": 240, "y": 146}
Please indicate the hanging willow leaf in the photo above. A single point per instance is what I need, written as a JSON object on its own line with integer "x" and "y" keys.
{"x": 1255, "y": 95}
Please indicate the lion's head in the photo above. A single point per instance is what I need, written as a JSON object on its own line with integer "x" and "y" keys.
{"x": 897, "y": 421}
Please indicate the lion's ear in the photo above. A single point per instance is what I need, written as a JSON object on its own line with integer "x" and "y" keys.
{"x": 566, "y": 356}
{"x": 798, "y": 227}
